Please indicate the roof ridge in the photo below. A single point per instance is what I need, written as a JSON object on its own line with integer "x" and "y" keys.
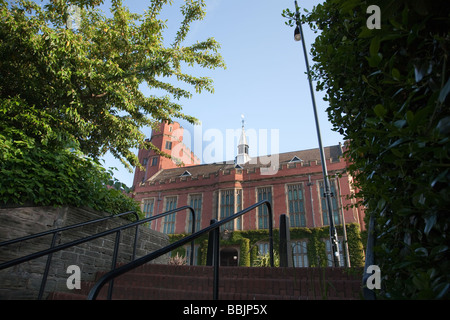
{"x": 230, "y": 164}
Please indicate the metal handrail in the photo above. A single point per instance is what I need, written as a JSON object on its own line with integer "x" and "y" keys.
{"x": 214, "y": 227}
{"x": 81, "y": 224}
{"x": 57, "y": 231}
{"x": 116, "y": 230}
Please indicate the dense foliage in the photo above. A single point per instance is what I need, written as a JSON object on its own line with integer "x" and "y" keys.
{"x": 39, "y": 167}
{"x": 248, "y": 245}
{"x": 88, "y": 77}
{"x": 70, "y": 92}
{"x": 388, "y": 93}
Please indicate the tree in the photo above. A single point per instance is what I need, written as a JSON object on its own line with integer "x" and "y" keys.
{"x": 69, "y": 95}
{"x": 388, "y": 92}
{"x": 86, "y": 79}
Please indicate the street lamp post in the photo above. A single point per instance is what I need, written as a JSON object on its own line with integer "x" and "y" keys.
{"x": 298, "y": 35}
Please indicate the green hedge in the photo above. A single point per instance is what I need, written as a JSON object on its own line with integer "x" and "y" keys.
{"x": 40, "y": 167}
{"x": 388, "y": 91}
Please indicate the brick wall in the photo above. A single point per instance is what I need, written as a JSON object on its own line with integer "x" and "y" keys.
{"x": 23, "y": 281}
{"x": 170, "y": 282}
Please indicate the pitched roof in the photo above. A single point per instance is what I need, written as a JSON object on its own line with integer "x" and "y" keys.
{"x": 198, "y": 170}
{"x": 333, "y": 152}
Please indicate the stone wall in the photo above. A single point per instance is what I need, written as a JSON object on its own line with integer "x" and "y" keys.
{"x": 23, "y": 281}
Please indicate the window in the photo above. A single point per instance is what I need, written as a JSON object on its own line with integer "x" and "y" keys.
{"x": 148, "y": 209}
{"x": 227, "y": 207}
{"x": 296, "y": 159}
{"x": 229, "y": 202}
{"x": 188, "y": 254}
{"x": 295, "y": 206}
{"x": 145, "y": 161}
{"x": 300, "y": 253}
{"x": 263, "y": 248}
{"x": 154, "y": 161}
{"x": 186, "y": 174}
{"x": 169, "y": 145}
{"x": 238, "y": 208}
{"x": 263, "y": 213}
{"x": 242, "y": 148}
{"x": 329, "y": 253}
{"x": 169, "y": 221}
{"x": 335, "y": 208}
{"x": 196, "y": 204}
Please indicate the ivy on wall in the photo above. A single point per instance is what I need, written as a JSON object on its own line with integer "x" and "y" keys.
{"x": 248, "y": 244}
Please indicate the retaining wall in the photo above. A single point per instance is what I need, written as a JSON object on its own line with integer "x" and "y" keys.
{"x": 23, "y": 281}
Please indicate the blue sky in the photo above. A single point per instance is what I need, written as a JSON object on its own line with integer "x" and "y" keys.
{"x": 264, "y": 80}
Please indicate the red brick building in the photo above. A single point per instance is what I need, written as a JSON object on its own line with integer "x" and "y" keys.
{"x": 294, "y": 185}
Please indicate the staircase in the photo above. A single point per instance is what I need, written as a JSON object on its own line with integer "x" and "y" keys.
{"x": 169, "y": 282}
{"x": 139, "y": 279}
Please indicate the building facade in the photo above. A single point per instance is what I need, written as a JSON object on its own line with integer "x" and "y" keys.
{"x": 293, "y": 184}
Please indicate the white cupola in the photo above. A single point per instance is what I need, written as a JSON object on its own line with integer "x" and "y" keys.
{"x": 242, "y": 156}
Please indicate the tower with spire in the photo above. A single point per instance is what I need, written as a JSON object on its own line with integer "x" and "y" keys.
{"x": 242, "y": 156}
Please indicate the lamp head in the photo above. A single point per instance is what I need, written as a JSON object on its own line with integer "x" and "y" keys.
{"x": 297, "y": 35}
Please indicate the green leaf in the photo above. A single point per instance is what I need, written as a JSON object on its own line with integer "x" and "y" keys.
{"x": 400, "y": 123}
{"x": 439, "y": 249}
{"x": 380, "y": 111}
{"x": 397, "y": 153}
{"x": 409, "y": 117}
{"x": 372, "y": 121}
{"x": 422, "y": 252}
{"x": 365, "y": 33}
{"x": 440, "y": 178}
{"x": 395, "y": 74}
{"x": 396, "y": 24}
{"x": 396, "y": 143}
{"x": 374, "y": 46}
{"x": 444, "y": 91}
{"x": 442, "y": 289}
{"x": 444, "y": 126}
{"x": 430, "y": 221}
{"x": 381, "y": 204}
{"x": 374, "y": 61}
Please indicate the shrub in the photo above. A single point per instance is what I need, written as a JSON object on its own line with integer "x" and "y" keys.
{"x": 39, "y": 167}
{"x": 388, "y": 93}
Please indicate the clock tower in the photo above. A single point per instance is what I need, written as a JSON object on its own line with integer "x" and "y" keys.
{"x": 168, "y": 138}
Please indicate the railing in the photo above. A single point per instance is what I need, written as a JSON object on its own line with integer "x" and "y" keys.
{"x": 55, "y": 233}
{"x": 116, "y": 230}
{"x": 214, "y": 235}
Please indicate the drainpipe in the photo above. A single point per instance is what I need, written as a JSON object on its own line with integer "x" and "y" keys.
{"x": 157, "y": 209}
{"x": 344, "y": 228}
{"x": 309, "y": 184}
